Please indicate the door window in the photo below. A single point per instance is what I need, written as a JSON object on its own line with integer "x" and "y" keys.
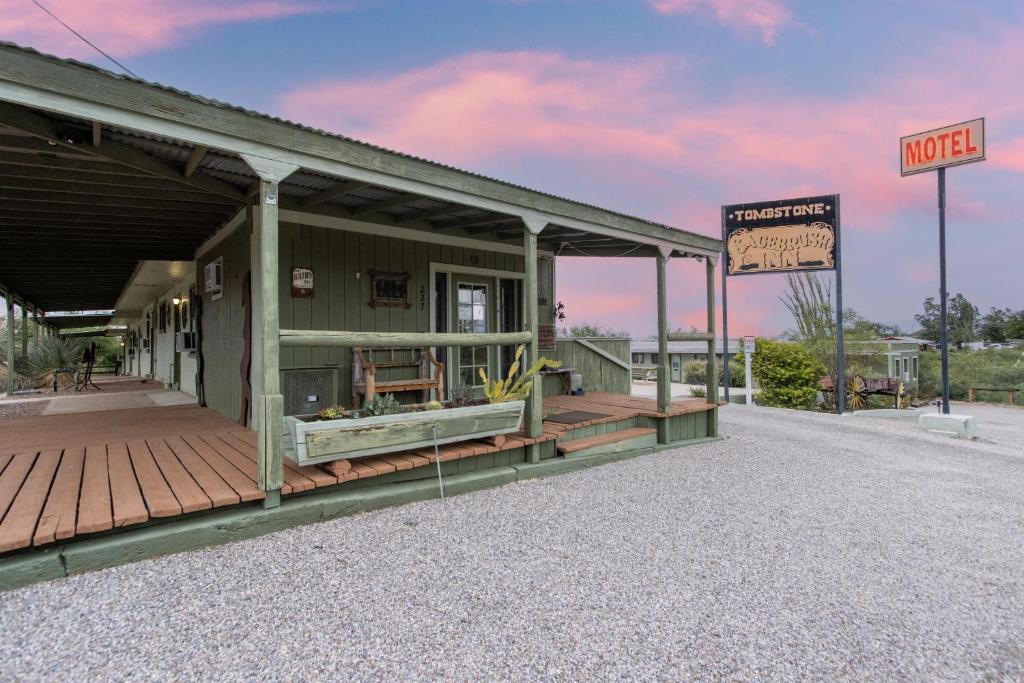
{"x": 472, "y": 318}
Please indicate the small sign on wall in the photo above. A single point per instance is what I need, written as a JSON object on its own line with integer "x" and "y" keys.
{"x": 302, "y": 283}
{"x": 546, "y": 337}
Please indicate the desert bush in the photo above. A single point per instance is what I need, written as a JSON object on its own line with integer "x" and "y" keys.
{"x": 1001, "y": 368}
{"x": 786, "y": 373}
{"x": 695, "y": 372}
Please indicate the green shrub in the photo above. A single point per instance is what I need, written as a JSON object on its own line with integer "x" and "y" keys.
{"x": 786, "y": 373}
{"x": 698, "y": 392}
{"x": 998, "y": 368}
{"x": 695, "y": 372}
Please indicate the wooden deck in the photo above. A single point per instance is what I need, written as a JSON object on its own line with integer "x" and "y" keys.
{"x": 68, "y": 475}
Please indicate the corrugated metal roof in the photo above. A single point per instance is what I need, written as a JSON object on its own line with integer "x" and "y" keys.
{"x": 249, "y": 112}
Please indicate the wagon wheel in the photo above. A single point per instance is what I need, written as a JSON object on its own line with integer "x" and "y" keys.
{"x": 901, "y": 396}
{"x": 856, "y": 393}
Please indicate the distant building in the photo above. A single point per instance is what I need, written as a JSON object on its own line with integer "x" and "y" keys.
{"x": 645, "y": 356}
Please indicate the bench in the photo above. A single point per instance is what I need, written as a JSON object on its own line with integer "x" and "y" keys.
{"x": 1011, "y": 391}
{"x": 365, "y": 363}
{"x": 645, "y": 372}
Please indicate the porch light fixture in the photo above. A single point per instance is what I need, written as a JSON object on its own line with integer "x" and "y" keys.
{"x": 175, "y": 301}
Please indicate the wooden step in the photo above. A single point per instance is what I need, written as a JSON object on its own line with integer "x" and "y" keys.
{"x": 627, "y": 439}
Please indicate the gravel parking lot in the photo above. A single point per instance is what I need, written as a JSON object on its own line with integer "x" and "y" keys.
{"x": 800, "y": 546}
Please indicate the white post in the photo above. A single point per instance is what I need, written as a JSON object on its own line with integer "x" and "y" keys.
{"x": 748, "y": 352}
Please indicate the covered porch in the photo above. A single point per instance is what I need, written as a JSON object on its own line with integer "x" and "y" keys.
{"x": 73, "y": 477}
{"x": 242, "y": 258}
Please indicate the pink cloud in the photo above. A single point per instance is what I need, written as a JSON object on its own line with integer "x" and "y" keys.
{"x": 130, "y": 27}
{"x": 766, "y": 17}
{"x": 1009, "y": 154}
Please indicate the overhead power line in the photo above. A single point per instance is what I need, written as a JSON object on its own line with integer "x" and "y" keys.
{"x": 84, "y": 39}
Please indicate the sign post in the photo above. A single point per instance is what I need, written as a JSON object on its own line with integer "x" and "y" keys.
{"x": 962, "y": 143}
{"x": 748, "y": 352}
{"x": 785, "y": 236}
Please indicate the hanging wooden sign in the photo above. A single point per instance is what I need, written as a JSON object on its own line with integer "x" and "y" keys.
{"x": 546, "y": 337}
{"x": 302, "y": 283}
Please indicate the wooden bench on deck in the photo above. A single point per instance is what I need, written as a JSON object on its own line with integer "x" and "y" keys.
{"x": 365, "y": 363}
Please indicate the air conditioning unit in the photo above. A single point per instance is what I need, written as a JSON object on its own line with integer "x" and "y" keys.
{"x": 214, "y": 277}
{"x": 308, "y": 391}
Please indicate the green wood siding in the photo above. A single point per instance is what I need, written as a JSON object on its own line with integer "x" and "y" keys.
{"x": 599, "y": 374}
{"x": 341, "y": 262}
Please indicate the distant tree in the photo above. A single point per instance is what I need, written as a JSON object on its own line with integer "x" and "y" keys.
{"x": 993, "y": 325}
{"x": 591, "y": 330}
{"x": 809, "y": 300}
{"x": 1015, "y": 325}
{"x": 859, "y": 328}
{"x": 963, "y": 320}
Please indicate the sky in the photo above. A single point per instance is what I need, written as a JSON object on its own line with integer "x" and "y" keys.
{"x": 663, "y": 109}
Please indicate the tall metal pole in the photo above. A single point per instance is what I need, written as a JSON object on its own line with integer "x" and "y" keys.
{"x": 840, "y": 387}
{"x": 725, "y": 313}
{"x": 943, "y": 296}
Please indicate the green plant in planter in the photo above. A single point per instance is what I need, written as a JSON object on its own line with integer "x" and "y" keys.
{"x": 500, "y": 391}
{"x": 462, "y": 395}
{"x": 433, "y": 405}
{"x": 331, "y": 412}
{"x": 382, "y": 405}
{"x": 698, "y": 392}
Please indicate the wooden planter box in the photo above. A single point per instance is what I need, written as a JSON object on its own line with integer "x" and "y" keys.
{"x": 328, "y": 440}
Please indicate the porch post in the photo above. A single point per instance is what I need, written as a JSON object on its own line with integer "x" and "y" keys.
{"x": 712, "y": 388}
{"x": 10, "y": 342}
{"x": 664, "y": 378}
{"x": 24, "y": 330}
{"x": 270, "y": 404}
{"x": 533, "y": 420}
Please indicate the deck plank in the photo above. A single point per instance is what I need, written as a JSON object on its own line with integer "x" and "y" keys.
{"x": 239, "y": 480}
{"x": 190, "y": 495}
{"x": 4, "y": 460}
{"x": 318, "y": 476}
{"x": 13, "y": 477}
{"x": 216, "y": 489}
{"x": 160, "y": 500}
{"x": 292, "y": 482}
{"x": 94, "y": 507}
{"x": 61, "y": 510}
{"x": 20, "y": 521}
{"x": 125, "y": 496}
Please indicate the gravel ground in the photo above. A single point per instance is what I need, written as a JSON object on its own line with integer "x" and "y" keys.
{"x": 801, "y": 546}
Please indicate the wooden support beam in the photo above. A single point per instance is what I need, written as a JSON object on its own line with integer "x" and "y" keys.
{"x": 114, "y": 192}
{"x": 270, "y": 403}
{"x": 477, "y": 221}
{"x": 106, "y": 175}
{"x": 374, "y": 207}
{"x": 712, "y": 388}
{"x": 41, "y": 127}
{"x": 378, "y": 340}
{"x": 68, "y": 201}
{"x": 339, "y": 189}
{"x": 664, "y": 378}
{"x": 10, "y": 342}
{"x": 533, "y": 419}
{"x": 194, "y": 159}
{"x": 432, "y": 213}
{"x": 24, "y": 330}
{"x": 97, "y": 133}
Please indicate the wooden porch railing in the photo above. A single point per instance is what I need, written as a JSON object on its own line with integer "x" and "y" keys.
{"x": 379, "y": 340}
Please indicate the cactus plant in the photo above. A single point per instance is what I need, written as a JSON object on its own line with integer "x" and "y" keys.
{"x": 512, "y": 389}
{"x": 331, "y": 412}
{"x": 382, "y": 405}
{"x": 433, "y": 405}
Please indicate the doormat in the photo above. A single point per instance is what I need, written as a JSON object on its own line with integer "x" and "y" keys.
{"x": 575, "y": 416}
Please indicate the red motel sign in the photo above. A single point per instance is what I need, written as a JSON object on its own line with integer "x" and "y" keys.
{"x": 962, "y": 143}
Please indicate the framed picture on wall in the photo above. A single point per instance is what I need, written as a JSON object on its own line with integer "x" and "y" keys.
{"x": 389, "y": 289}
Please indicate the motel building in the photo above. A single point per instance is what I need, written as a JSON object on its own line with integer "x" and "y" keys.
{"x": 271, "y": 270}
